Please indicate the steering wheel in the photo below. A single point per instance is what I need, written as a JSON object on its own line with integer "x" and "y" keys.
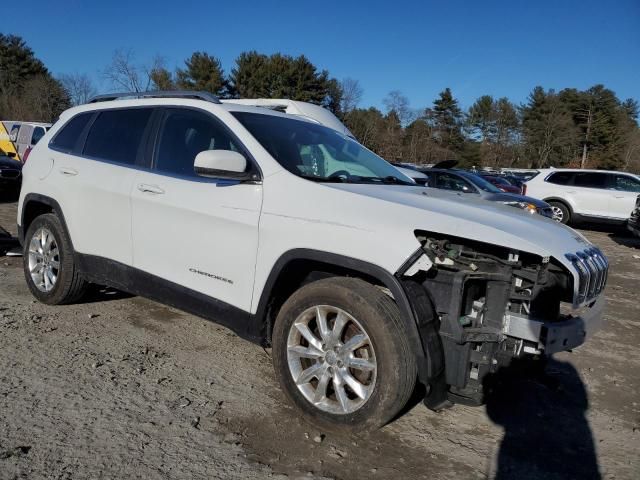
{"x": 340, "y": 174}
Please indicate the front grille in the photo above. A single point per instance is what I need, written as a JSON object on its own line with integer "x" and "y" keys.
{"x": 593, "y": 268}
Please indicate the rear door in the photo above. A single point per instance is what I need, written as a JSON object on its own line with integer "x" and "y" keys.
{"x": 624, "y": 190}
{"x": 94, "y": 170}
{"x": 200, "y": 233}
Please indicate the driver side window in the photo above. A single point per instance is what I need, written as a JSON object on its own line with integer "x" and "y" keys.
{"x": 447, "y": 181}
{"x": 183, "y": 135}
{"x": 625, "y": 183}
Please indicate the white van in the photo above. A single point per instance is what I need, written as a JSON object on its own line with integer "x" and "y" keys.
{"x": 24, "y": 135}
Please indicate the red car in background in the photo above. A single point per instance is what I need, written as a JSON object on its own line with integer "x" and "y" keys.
{"x": 502, "y": 183}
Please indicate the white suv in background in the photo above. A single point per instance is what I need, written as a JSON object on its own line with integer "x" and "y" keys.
{"x": 295, "y": 236}
{"x": 586, "y": 195}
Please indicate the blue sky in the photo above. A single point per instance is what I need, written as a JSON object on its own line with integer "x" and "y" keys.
{"x": 502, "y": 48}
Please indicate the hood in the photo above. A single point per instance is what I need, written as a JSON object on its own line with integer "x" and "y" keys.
{"x": 489, "y": 222}
{"x": 514, "y": 197}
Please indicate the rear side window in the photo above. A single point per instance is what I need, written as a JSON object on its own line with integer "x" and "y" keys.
{"x": 116, "y": 135}
{"x": 38, "y": 133}
{"x": 447, "y": 181}
{"x": 68, "y": 135}
{"x": 590, "y": 180}
{"x": 560, "y": 178}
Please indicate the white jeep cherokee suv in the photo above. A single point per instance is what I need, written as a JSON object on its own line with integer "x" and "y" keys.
{"x": 601, "y": 196}
{"x": 295, "y": 236}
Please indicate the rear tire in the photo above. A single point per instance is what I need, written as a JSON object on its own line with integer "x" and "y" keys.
{"x": 49, "y": 265}
{"x": 560, "y": 212}
{"x": 333, "y": 385}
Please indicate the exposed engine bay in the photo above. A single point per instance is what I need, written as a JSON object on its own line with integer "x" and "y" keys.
{"x": 493, "y": 304}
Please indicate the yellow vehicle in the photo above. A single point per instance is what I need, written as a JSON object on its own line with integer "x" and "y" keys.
{"x": 22, "y": 136}
{"x": 6, "y": 145}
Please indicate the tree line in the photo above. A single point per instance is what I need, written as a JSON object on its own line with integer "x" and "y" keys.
{"x": 589, "y": 128}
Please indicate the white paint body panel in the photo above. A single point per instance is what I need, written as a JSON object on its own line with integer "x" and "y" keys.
{"x": 197, "y": 229}
{"x": 238, "y": 232}
{"x": 593, "y": 202}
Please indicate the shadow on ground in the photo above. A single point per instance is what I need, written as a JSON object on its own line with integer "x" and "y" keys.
{"x": 99, "y": 293}
{"x": 626, "y": 240}
{"x": 547, "y": 435}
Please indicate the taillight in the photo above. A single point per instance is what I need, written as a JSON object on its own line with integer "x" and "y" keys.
{"x": 26, "y": 155}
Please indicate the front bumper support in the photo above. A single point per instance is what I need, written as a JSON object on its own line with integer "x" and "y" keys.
{"x": 553, "y": 337}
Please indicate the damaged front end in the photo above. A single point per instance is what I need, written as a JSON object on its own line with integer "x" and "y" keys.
{"x": 494, "y": 304}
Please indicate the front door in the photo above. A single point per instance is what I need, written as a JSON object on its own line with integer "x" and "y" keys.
{"x": 624, "y": 192}
{"x": 200, "y": 233}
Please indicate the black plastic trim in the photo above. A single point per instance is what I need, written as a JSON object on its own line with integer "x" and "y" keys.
{"x": 36, "y": 197}
{"x": 132, "y": 280}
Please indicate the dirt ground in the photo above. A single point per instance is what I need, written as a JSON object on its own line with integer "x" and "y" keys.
{"x": 122, "y": 387}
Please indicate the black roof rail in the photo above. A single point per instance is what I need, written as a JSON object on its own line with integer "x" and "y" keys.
{"x": 209, "y": 97}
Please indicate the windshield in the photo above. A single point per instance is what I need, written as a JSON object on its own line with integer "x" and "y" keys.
{"x": 500, "y": 180}
{"x": 481, "y": 183}
{"x": 318, "y": 153}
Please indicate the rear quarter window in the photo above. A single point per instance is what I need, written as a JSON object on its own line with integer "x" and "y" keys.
{"x": 38, "y": 133}
{"x": 67, "y": 138}
{"x": 560, "y": 178}
{"x": 116, "y": 135}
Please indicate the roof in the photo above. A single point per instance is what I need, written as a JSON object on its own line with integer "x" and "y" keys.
{"x": 279, "y": 107}
{"x": 594, "y": 170}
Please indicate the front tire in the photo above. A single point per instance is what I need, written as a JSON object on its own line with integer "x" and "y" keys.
{"x": 341, "y": 354}
{"x": 561, "y": 213}
{"x": 49, "y": 266}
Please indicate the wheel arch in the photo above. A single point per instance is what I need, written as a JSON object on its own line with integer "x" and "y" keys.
{"x": 35, "y": 205}
{"x": 563, "y": 201}
{"x": 297, "y": 267}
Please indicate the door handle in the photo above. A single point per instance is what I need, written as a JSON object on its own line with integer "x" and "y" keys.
{"x": 619, "y": 196}
{"x": 68, "y": 171}
{"x": 145, "y": 188}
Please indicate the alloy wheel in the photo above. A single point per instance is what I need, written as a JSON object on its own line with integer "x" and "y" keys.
{"x": 331, "y": 359}
{"x": 44, "y": 260}
{"x": 558, "y": 214}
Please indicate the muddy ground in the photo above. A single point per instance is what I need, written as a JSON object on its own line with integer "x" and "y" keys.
{"x": 122, "y": 387}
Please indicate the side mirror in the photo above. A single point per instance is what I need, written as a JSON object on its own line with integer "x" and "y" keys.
{"x": 11, "y": 154}
{"x": 221, "y": 164}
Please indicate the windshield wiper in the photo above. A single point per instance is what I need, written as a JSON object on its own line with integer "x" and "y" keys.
{"x": 316, "y": 178}
{"x": 389, "y": 179}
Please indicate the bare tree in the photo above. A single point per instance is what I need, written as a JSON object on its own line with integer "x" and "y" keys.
{"x": 395, "y": 101}
{"x": 79, "y": 87}
{"x": 125, "y": 74}
{"x": 42, "y": 99}
{"x": 351, "y": 94}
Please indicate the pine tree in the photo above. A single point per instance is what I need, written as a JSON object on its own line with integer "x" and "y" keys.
{"x": 447, "y": 120}
{"x": 203, "y": 72}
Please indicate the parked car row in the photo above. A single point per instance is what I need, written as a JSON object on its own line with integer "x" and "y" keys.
{"x": 444, "y": 177}
{"x": 297, "y": 237}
